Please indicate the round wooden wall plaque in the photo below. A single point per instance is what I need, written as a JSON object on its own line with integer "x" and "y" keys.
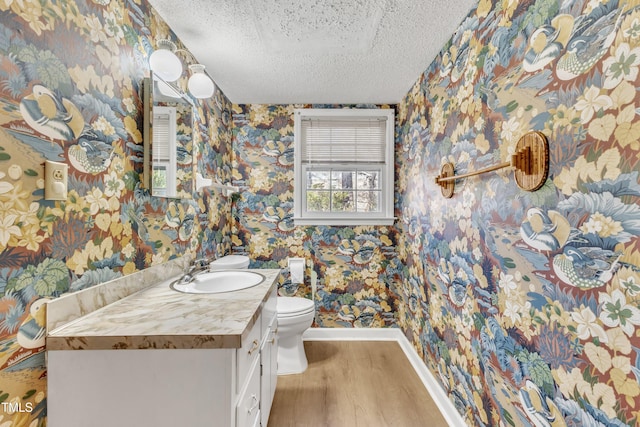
{"x": 536, "y": 176}
{"x": 448, "y": 186}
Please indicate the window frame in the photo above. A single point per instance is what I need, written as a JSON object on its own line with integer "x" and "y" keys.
{"x": 386, "y": 170}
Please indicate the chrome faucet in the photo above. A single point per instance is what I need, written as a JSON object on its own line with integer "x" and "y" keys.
{"x": 197, "y": 266}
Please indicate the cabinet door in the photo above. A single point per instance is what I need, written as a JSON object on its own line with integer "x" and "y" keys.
{"x": 269, "y": 361}
{"x": 273, "y": 373}
{"x": 256, "y": 422}
{"x": 248, "y": 409}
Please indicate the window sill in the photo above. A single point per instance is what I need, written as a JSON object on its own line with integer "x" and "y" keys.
{"x": 344, "y": 221}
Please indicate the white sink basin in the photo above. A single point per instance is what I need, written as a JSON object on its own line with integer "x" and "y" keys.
{"x": 214, "y": 282}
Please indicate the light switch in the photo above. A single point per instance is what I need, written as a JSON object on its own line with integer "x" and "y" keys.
{"x": 55, "y": 180}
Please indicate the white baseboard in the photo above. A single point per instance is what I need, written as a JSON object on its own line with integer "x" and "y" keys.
{"x": 434, "y": 388}
{"x": 352, "y": 334}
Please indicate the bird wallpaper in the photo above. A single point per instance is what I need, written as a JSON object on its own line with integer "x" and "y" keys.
{"x": 70, "y": 91}
{"x": 525, "y": 306}
{"x": 357, "y": 268}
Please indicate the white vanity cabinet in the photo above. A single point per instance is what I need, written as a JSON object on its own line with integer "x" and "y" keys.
{"x": 258, "y": 370}
{"x": 157, "y": 387}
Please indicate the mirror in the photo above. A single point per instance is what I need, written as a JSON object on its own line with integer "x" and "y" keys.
{"x": 167, "y": 134}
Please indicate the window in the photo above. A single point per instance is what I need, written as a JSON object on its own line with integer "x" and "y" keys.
{"x": 343, "y": 167}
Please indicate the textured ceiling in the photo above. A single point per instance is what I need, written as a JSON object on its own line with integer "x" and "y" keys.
{"x": 314, "y": 51}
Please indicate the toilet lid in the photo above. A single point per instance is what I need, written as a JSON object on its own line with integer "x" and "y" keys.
{"x": 230, "y": 261}
{"x": 290, "y": 306}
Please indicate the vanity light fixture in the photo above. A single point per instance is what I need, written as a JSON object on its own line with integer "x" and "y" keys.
{"x": 531, "y": 163}
{"x": 165, "y": 62}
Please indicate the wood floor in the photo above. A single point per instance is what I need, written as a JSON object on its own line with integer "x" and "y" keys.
{"x": 354, "y": 383}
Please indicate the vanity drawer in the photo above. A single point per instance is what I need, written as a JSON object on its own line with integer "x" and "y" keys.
{"x": 248, "y": 353}
{"x": 248, "y": 409}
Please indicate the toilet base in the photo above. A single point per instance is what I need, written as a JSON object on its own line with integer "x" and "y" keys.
{"x": 295, "y": 315}
{"x": 292, "y": 358}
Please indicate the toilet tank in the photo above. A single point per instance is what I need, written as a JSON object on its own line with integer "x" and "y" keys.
{"x": 230, "y": 262}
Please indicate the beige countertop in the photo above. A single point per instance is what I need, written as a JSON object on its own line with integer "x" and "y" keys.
{"x": 159, "y": 317}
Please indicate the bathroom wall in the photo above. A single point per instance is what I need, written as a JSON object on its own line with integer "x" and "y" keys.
{"x": 70, "y": 81}
{"x": 487, "y": 302}
{"x": 356, "y": 267}
{"x": 526, "y": 305}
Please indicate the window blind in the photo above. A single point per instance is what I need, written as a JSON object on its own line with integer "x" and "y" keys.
{"x": 331, "y": 139}
{"x": 161, "y": 136}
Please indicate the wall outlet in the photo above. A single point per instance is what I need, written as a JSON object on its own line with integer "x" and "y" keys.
{"x": 55, "y": 180}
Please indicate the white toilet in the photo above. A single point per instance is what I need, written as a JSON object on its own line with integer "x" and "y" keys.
{"x": 295, "y": 315}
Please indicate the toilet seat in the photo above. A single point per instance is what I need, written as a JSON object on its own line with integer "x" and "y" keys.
{"x": 294, "y": 306}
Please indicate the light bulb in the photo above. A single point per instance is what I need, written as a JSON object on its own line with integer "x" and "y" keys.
{"x": 165, "y": 63}
{"x": 199, "y": 84}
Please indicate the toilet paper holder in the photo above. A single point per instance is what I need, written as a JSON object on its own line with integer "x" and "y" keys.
{"x": 296, "y": 270}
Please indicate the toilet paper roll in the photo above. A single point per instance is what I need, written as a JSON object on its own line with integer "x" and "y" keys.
{"x": 296, "y": 269}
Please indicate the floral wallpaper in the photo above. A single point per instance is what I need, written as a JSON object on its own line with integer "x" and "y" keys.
{"x": 526, "y": 306}
{"x": 356, "y": 267}
{"x": 70, "y": 91}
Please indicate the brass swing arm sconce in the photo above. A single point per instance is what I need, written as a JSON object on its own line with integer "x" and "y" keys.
{"x": 531, "y": 163}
